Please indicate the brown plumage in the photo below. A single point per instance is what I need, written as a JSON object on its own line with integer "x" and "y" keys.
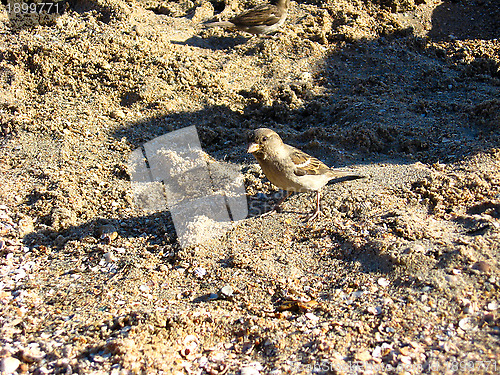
{"x": 263, "y": 19}
{"x": 290, "y": 168}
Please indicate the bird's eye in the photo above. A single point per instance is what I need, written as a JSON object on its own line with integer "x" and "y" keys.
{"x": 264, "y": 139}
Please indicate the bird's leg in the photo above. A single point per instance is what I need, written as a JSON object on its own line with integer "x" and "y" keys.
{"x": 277, "y": 205}
{"x": 317, "y": 211}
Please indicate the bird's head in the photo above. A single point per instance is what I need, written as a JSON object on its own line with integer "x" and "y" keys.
{"x": 263, "y": 142}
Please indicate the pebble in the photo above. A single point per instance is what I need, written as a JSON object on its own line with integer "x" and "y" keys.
{"x": 312, "y": 317}
{"x": 107, "y": 232}
{"x": 25, "y": 226}
{"x": 9, "y": 365}
{"x": 5, "y": 229}
{"x": 363, "y": 356}
{"x": 418, "y": 248}
{"x": 200, "y": 272}
{"x": 163, "y": 268}
{"x": 465, "y": 324}
{"x": 109, "y": 257}
{"x": 405, "y": 359}
{"x": 226, "y": 292}
{"x": 249, "y": 371}
{"x": 377, "y": 352}
{"x": 383, "y": 282}
{"x": 492, "y": 306}
{"x": 451, "y": 279}
{"x": 374, "y": 310}
{"x": 482, "y": 266}
{"x": 118, "y": 114}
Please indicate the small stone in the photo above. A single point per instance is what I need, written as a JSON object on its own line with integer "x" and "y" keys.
{"x": 492, "y": 306}
{"x": 107, "y": 233}
{"x": 109, "y": 257}
{"x": 405, "y": 350}
{"x": 253, "y": 368}
{"x": 25, "y": 226}
{"x": 482, "y": 266}
{"x": 465, "y": 324}
{"x": 357, "y": 293}
{"x": 200, "y": 272}
{"x": 405, "y": 359}
{"x": 5, "y": 228}
{"x": 118, "y": 114}
{"x": 451, "y": 279}
{"x": 377, "y": 352}
{"x": 9, "y": 365}
{"x": 387, "y": 301}
{"x": 163, "y": 268}
{"x": 363, "y": 355}
{"x": 312, "y": 317}
{"x": 226, "y": 292}
{"x": 383, "y": 282}
{"x": 418, "y": 248}
{"x": 203, "y": 12}
{"x": 374, "y": 310}
{"x": 249, "y": 370}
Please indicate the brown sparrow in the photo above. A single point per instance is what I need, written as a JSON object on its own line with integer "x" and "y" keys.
{"x": 291, "y": 169}
{"x": 263, "y": 19}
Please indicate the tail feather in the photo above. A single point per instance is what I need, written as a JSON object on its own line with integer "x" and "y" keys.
{"x": 218, "y": 24}
{"x": 345, "y": 174}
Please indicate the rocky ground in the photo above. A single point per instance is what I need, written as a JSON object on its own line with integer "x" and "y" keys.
{"x": 399, "y": 275}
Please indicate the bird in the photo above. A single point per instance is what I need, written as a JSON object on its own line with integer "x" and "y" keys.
{"x": 292, "y": 169}
{"x": 260, "y": 20}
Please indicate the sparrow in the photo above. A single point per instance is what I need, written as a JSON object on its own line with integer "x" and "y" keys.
{"x": 263, "y": 19}
{"x": 290, "y": 168}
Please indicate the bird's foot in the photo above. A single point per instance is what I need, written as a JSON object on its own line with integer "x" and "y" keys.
{"x": 315, "y": 215}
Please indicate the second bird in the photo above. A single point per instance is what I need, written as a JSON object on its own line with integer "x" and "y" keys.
{"x": 263, "y": 19}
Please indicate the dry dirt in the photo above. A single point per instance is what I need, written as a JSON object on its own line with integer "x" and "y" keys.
{"x": 399, "y": 274}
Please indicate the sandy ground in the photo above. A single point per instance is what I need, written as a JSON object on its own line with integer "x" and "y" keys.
{"x": 399, "y": 274}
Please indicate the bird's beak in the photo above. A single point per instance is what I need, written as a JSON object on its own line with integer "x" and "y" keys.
{"x": 253, "y": 148}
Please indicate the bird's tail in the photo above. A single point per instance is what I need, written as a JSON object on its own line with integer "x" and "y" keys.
{"x": 345, "y": 174}
{"x": 218, "y": 24}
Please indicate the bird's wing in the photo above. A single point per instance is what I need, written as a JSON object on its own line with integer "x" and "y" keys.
{"x": 261, "y": 15}
{"x": 306, "y": 164}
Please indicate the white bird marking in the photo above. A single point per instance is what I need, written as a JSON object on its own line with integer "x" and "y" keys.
{"x": 304, "y": 164}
